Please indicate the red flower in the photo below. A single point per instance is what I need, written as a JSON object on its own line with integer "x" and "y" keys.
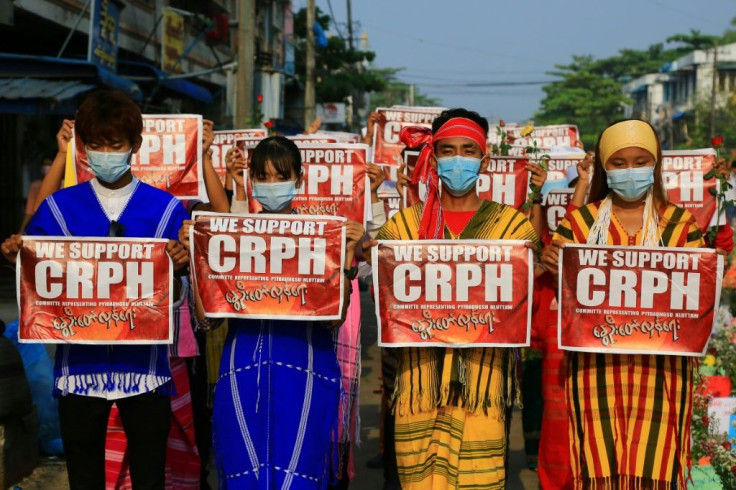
{"x": 501, "y": 123}
{"x": 716, "y": 141}
{"x": 727, "y": 446}
{"x": 268, "y": 124}
{"x": 705, "y": 420}
{"x": 259, "y": 98}
{"x": 733, "y": 469}
{"x": 510, "y": 139}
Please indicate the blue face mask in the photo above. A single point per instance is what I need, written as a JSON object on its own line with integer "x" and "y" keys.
{"x": 458, "y": 174}
{"x": 274, "y": 196}
{"x": 108, "y": 166}
{"x": 630, "y": 183}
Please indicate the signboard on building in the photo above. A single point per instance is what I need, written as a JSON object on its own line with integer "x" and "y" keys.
{"x": 103, "y": 33}
{"x": 172, "y": 41}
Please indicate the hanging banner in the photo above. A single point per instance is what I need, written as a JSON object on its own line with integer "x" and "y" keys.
{"x": 102, "y": 47}
{"x": 225, "y": 140}
{"x": 564, "y": 135}
{"x": 269, "y": 265}
{"x": 636, "y": 300}
{"x": 170, "y": 157}
{"x": 554, "y": 204}
{"x": 173, "y": 30}
{"x": 386, "y": 144}
{"x": 334, "y": 182}
{"x": 506, "y": 182}
{"x": 94, "y": 291}
{"x": 469, "y": 293}
{"x": 683, "y": 173}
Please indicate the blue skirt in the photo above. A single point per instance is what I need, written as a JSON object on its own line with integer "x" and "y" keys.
{"x": 276, "y": 406}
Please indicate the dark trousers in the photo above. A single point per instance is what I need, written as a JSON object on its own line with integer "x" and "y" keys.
{"x": 146, "y": 419}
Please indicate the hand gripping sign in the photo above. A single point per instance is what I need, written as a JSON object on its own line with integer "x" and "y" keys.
{"x": 636, "y": 300}
{"x": 334, "y": 182}
{"x": 170, "y": 157}
{"x": 469, "y": 293}
{"x": 224, "y": 141}
{"x": 269, "y": 265}
{"x": 386, "y": 144}
{"x": 683, "y": 173}
{"x": 94, "y": 291}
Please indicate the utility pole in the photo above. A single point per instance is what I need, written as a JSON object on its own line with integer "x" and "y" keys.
{"x": 713, "y": 91}
{"x": 309, "y": 109}
{"x": 246, "y": 62}
{"x": 411, "y": 94}
{"x": 356, "y": 95}
{"x": 350, "y": 25}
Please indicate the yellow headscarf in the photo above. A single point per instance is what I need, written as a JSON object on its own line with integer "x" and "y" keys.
{"x": 625, "y": 135}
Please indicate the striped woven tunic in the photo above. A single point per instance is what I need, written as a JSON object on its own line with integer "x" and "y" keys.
{"x": 629, "y": 415}
{"x": 450, "y": 403}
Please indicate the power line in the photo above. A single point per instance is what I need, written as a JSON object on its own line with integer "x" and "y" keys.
{"x": 486, "y": 84}
{"x": 334, "y": 19}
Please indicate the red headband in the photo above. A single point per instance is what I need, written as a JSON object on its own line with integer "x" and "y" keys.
{"x": 432, "y": 224}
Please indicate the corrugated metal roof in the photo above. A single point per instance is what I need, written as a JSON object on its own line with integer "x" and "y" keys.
{"x": 31, "y": 88}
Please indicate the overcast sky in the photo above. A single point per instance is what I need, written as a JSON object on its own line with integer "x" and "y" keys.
{"x": 445, "y": 43}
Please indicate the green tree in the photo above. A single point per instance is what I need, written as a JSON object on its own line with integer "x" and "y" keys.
{"x": 694, "y": 40}
{"x": 337, "y": 71}
{"x": 396, "y": 92}
{"x": 582, "y": 96}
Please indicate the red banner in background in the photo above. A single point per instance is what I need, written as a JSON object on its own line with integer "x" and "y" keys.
{"x": 170, "y": 157}
{"x": 387, "y": 147}
{"x": 555, "y": 204}
{"x": 334, "y": 182}
{"x": 269, "y": 265}
{"x": 225, "y": 140}
{"x": 683, "y": 173}
{"x": 506, "y": 181}
{"x": 387, "y": 192}
{"x": 469, "y": 293}
{"x": 636, "y": 300}
{"x": 565, "y": 135}
{"x": 94, "y": 291}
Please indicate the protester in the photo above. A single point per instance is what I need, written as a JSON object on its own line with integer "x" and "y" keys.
{"x": 450, "y": 429}
{"x": 33, "y": 189}
{"x": 90, "y": 378}
{"x": 277, "y": 399}
{"x": 620, "y": 439}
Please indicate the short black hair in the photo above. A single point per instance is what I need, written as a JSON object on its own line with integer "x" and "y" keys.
{"x": 452, "y": 113}
{"x": 108, "y": 114}
{"x": 283, "y": 154}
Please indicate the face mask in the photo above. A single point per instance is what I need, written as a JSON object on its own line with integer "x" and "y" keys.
{"x": 108, "y": 166}
{"x": 458, "y": 174}
{"x": 274, "y": 196}
{"x": 630, "y": 183}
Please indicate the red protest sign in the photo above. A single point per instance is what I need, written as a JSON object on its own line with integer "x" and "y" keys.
{"x": 565, "y": 135}
{"x": 268, "y": 265}
{"x": 636, "y": 300}
{"x": 94, "y": 291}
{"x": 313, "y": 139}
{"x": 469, "y": 293}
{"x": 506, "y": 181}
{"x": 340, "y": 136}
{"x": 386, "y": 144}
{"x": 333, "y": 183}
{"x": 555, "y": 204}
{"x": 170, "y": 157}
{"x": 387, "y": 192}
{"x": 558, "y": 166}
{"x": 225, "y": 140}
{"x": 683, "y": 173}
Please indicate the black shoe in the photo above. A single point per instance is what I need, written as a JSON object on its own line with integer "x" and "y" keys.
{"x": 376, "y": 462}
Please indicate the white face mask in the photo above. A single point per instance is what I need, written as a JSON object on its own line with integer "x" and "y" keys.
{"x": 274, "y": 196}
{"x": 108, "y": 166}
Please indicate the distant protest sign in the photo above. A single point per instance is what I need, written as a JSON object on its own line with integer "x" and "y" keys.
{"x": 506, "y": 181}
{"x": 225, "y": 140}
{"x": 269, "y": 265}
{"x": 636, "y": 300}
{"x": 469, "y": 293}
{"x": 95, "y": 291}
{"x": 334, "y": 182}
{"x": 564, "y": 135}
{"x": 170, "y": 157}
{"x": 555, "y": 204}
{"x": 386, "y": 144}
{"x": 683, "y": 173}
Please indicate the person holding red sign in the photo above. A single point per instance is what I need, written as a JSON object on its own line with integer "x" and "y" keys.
{"x": 90, "y": 378}
{"x": 630, "y": 415}
{"x": 451, "y": 404}
{"x": 275, "y": 413}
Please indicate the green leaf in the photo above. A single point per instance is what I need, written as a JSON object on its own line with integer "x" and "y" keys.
{"x": 711, "y": 173}
{"x": 713, "y": 191}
